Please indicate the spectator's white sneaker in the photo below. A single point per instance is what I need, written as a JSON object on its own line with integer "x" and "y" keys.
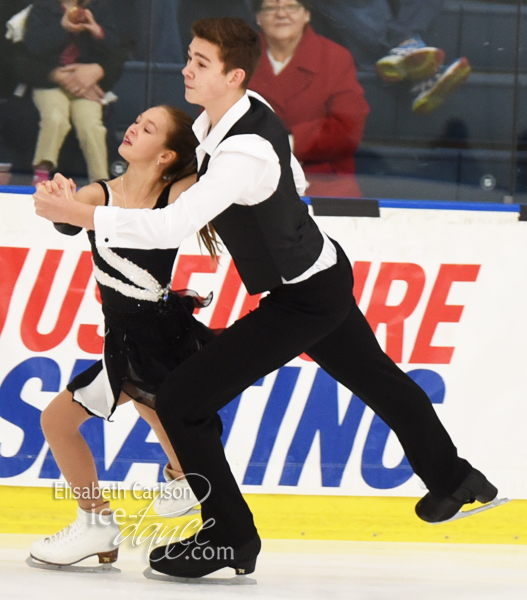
{"x": 433, "y": 92}
{"x": 410, "y": 60}
{"x": 176, "y": 498}
{"x": 89, "y": 535}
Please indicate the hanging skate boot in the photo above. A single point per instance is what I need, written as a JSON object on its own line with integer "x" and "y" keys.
{"x": 176, "y": 498}
{"x": 412, "y": 59}
{"x": 475, "y": 486}
{"x": 89, "y": 535}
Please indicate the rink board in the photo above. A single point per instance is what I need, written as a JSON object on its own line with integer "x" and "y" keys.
{"x": 445, "y": 291}
{"x": 278, "y": 516}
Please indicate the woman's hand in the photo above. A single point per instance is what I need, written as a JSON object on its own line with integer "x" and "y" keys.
{"x": 87, "y": 24}
{"x": 92, "y": 26}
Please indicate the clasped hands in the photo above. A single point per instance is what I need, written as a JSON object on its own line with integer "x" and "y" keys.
{"x": 52, "y": 199}
{"x": 81, "y": 80}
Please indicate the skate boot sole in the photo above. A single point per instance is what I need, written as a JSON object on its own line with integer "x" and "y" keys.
{"x": 35, "y": 563}
{"x": 238, "y": 579}
{"x": 105, "y": 558}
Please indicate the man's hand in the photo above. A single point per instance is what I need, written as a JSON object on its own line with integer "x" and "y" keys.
{"x": 55, "y": 200}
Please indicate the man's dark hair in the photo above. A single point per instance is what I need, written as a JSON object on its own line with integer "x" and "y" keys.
{"x": 239, "y": 44}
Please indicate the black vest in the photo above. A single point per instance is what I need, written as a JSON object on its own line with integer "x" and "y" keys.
{"x": 277, "y": 237}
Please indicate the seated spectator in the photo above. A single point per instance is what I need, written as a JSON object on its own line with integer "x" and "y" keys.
{"x": 311, "y": 83}
{"x": 390, "y": 35}
{"x": 63, "y": 63}
{"x": 8, "y": 8}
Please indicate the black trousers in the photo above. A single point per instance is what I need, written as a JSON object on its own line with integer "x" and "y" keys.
{"x": 318, "y": 316}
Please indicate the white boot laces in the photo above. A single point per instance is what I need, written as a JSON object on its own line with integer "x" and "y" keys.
{"x": 70, "y": 531}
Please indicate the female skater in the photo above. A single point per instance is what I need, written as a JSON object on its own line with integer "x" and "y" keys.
{"x": 149, "y": 330}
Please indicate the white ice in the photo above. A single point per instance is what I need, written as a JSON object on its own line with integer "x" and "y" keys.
{"x": 294, "y": 569}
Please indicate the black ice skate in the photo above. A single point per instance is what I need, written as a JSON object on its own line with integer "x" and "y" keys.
{"x": 192, "y": 558}
{"x": 475, "y": 486}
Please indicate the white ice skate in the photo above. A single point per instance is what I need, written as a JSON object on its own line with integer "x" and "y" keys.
{"x": 89, "y": 535}
{"x": 176, "y": 498}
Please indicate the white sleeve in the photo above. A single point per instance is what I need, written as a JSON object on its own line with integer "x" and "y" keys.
{"x": 299, "y": 176}
{"x": 241, "y": 171}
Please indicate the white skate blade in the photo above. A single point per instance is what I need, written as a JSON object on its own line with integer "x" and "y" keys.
{"x": 474, "y": 511}
{"x": 75, "y": 568}
{"x": 236, "y": 580}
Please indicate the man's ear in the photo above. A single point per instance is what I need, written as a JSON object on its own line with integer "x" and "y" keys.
{"x": 236, "y": 77}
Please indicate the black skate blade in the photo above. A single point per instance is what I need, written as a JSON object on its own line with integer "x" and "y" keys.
{"x": 149, "y": 573}
{"x": 462, "y": 514}
{"x": 104, "y": 568}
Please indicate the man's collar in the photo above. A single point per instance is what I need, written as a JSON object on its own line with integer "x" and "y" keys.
{"x": 210, "y": 140}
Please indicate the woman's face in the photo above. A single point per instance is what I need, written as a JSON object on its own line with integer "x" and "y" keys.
{"x": 146, "y": 138}
{"x": 282, "y": 19}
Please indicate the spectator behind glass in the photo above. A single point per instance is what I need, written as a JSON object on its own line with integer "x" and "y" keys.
{"x": 64, "y": 63}
{"x": 8, "y": 8}
{"x": 388, "y": 35}
{"x": 311, "y": 83}
{"x": 8, "y": 82}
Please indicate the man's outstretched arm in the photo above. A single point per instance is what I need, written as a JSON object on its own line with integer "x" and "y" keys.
{"x": 233, "y": 177}
{"x": 245, "y": 172}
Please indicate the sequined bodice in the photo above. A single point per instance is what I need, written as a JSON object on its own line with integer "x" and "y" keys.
{"x": 130, "y": 279}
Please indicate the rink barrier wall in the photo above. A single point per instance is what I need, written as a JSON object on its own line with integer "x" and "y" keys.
{"x": 444, "y": 285}
{"x": 380, "y": 519}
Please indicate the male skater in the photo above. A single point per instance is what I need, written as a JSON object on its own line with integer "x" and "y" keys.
{"x": 249, "y": 186}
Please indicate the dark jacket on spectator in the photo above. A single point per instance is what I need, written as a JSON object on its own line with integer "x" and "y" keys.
{"x": 46, "y": 39}
{"x": 8, "y": 78}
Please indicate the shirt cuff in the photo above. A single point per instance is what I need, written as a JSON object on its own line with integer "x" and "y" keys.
{"x": 105, "y": 223}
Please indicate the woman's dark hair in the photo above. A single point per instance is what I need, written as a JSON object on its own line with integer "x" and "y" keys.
{"x": 182, "y": 140}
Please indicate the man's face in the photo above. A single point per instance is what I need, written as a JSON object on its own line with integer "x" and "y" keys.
{"x": 205, "y": 81}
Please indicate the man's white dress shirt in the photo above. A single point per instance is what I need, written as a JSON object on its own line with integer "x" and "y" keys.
{"x": 243, "y": 169}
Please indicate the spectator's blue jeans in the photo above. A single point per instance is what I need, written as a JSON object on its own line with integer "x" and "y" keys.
{"x": 370, "y": 28}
